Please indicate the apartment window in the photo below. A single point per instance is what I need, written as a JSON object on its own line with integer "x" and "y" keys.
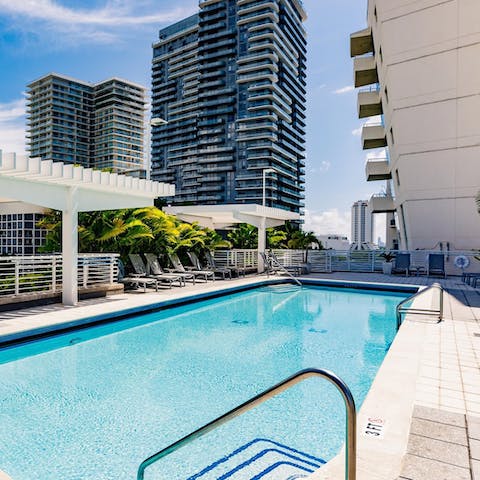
{"x": 386, "y": 94}
{"x": 397, "y": 177}
{"x": 375, "y": 14}
{"x": 381, "y": 55}
{"x": 391, "y": 135}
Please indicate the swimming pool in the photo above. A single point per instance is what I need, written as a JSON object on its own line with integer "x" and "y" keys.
{"x": 94, "y": 403}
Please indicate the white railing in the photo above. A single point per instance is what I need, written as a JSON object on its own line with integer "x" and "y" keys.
{"x": 23, "y": 275}
{"x": 320, "y": 261}
{"x": 246, "y": 259}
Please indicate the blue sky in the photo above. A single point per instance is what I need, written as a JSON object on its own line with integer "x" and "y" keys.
{"x": 96, "y": 39}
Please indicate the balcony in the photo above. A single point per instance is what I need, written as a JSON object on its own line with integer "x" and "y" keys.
{"x": 365, "y": 71}
{"x": 378, "y": 169}
{"x": 373, "y": 136}
{"x": 361, "y": 42}
{"x": 381, "y": 203}
{"x": 369, "y": 103}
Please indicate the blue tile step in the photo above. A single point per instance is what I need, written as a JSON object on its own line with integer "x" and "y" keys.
{"x": 262, "y": 459}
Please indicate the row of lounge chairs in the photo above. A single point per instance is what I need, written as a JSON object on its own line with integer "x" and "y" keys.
{"x": 151, "y": 274}
{"x": 434, "y": 264}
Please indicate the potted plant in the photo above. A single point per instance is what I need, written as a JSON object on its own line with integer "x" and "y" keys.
{"x": 387, "y": 265}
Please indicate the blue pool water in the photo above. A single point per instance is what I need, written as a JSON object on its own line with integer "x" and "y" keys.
{"x": 92, "y": 404}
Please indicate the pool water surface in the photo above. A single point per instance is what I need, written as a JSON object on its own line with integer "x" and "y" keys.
{"x": 92, "y": 404}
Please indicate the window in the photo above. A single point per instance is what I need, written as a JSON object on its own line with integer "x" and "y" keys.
{"x": 397, "y": 176}
{"x": 391, "y": 135}
{"x": 386, "y": 94}
{"x": 375, "y": 14}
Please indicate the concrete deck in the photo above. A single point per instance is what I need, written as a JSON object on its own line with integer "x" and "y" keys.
{"x": 424, "y": 402}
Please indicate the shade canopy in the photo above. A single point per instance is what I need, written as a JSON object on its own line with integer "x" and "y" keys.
{"x": 225, "y": 216}
{"x": 30, "y": 184}
{"x": 219, "y": 217}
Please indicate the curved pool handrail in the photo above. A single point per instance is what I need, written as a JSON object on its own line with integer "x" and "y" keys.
{"x": 350, "y": 424}
{"x": 420, "y": 311}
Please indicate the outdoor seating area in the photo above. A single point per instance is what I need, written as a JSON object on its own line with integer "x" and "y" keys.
{"x": 35, "y": 277}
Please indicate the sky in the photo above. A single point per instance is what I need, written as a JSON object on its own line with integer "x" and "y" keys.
{"x": 96, "y": 39}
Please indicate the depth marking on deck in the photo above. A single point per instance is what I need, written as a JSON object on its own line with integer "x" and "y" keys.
{"x": 374, "y": 427}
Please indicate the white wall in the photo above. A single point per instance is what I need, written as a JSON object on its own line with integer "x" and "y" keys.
{"x": 430, "y": 65}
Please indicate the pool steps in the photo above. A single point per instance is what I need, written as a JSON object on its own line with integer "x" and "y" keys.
{"x": 262, "y": 459}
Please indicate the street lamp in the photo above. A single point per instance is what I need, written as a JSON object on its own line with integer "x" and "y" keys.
{"x": 265, "y": 171}
{"x": 154, "y": 122}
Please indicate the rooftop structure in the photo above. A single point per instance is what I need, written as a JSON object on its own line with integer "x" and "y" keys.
{"x": 230, "y": 82}
{"x": 71, "y": 189}
{"x": 417, "y": 67}
{"x": 94, "y": 125}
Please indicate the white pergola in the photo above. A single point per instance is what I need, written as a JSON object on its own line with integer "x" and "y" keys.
{"x": 219, "y": 217}
{"x": 31, "y": 185}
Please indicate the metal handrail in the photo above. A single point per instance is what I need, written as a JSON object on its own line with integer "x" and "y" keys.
{"x": 272, "y": 258}
{"x": 420, "y": 311}
{"x": 350, "y": 424}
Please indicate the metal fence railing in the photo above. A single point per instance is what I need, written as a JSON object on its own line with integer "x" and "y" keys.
{"x": 22, "y": 275}
{"x": 324, "y": 261}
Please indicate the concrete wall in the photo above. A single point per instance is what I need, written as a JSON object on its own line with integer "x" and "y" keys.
{"x": 428, "y": 60}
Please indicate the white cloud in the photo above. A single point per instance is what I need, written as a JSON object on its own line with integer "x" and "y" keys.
{"x": 12, "y": 126}
{"x": 341, "y": 91}
{"x": 99, "y": 25}
{"x": 115, "y": 13}
{"x": 323, "y": 168}
{"x": 357, "y": 132}
{"x": 329, "y": 221}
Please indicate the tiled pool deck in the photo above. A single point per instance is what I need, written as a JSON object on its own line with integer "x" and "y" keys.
{"x": 426, "y": 396}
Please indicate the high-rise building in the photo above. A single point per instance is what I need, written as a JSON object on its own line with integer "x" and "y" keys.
{"x": 361, "y": 224}
{"x": 94, "y": 125}
{"x": 230, "y": 81}
{"x": 19, "y": 230}
{"x": 418, "y": 64}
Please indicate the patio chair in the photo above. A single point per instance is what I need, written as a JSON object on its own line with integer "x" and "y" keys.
{"x": 402, "y": 263}
{"x": 141, "y": 270}
{"x": 436, "y": 264}
{"x": 178, "y": 267}
{"x": 135, "y": 282}
{"x": 223, "y": 272}
{"x": 154, "y": 266}
{"x": 212, "y": 265}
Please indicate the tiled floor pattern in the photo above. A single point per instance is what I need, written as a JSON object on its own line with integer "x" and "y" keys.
{"x": 442, "y": 446}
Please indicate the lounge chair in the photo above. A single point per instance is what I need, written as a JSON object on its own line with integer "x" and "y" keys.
{"x": 179, "y": 268}
{"x": 212, "y": 265}
{"x": 136, "y": 281}
{"x": 223, "y": 272}
{"x": 141, "y": 270}
{"x": 401, "y": 263}
{"x": 154, "y": 266}
{"x": 436, "y": 264}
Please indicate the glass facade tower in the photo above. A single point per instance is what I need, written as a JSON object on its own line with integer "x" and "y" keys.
{"x": 94, "y": 125}
{"x": 230, "y": 81}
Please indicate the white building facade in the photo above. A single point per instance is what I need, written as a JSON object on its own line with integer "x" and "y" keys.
{"x": 419, "y": 62}
{"x": 361, "y": 224}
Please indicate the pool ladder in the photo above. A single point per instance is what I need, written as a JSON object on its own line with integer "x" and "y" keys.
{"x": 437, "y": 312}
{"x": 350, "y": 424}
{"x": 270, "y": 259}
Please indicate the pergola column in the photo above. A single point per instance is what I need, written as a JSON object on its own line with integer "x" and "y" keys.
{"x": 70, "y": 248}
{"x": 262, "y": 243}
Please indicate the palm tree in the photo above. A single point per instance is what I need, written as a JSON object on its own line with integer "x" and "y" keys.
{"x": 244, "y": 236}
